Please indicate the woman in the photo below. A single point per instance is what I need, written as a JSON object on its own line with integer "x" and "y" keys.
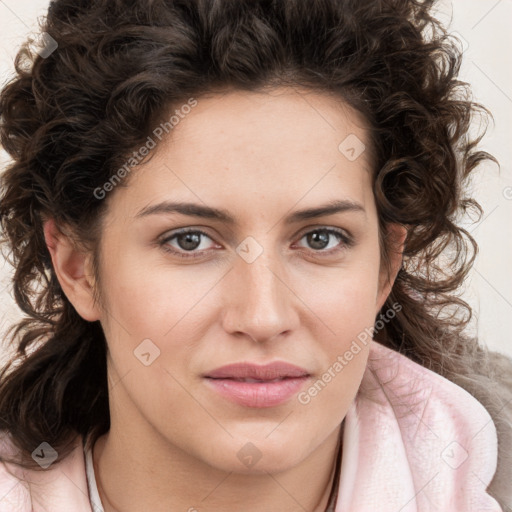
{"x": 241, "y": 219}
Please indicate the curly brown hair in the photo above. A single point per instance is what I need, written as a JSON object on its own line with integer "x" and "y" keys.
{"x": 69, "y": 119}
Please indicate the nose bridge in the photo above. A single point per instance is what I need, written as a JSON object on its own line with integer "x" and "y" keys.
{"x": 261, "y": 304}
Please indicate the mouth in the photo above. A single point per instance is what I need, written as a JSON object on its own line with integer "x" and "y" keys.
{"x": 257, "y": 386}
{"x": 252, "y": 380}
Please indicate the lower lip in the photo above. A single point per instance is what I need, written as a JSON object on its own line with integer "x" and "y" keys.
{"x": 258, "y": 394}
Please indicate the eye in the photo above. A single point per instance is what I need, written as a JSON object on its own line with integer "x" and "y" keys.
{"x": 188, "y": 240}
{"x": 323, "y": 240}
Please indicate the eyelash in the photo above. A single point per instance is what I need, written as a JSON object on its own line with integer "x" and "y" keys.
{"x": 347, "y": 242}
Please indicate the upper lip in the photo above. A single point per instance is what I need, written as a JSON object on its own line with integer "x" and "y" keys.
{"x": 270, "y": 371}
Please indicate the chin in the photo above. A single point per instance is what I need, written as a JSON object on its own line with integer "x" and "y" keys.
{"x": 251, "y": 456}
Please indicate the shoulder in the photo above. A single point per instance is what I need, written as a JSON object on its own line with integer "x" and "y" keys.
{"x": 430, "y": 436}
{"x": 14, "y": 493}
{"x": 60, "y": 487}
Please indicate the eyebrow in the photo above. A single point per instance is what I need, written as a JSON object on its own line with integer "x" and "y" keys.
{"x": 208, "y": 212}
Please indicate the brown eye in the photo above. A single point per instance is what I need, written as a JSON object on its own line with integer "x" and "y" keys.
{"x": 187, "y": 241}
{"x": 327, "y": 240}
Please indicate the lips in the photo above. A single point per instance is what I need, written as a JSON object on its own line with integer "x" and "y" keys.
{"x": 251, "y": 372}
{"x": 253, "y": 385}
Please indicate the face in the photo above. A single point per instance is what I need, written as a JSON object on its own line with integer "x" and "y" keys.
{"x": 262, "y": 284}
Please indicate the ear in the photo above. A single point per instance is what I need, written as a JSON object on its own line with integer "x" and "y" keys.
{"x": 73, "y": 271}
{"x": 395, "y": 236}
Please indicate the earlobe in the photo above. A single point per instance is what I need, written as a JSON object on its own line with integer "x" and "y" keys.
{"x": 72, "y": 268}
{"x": 397, "y": 235}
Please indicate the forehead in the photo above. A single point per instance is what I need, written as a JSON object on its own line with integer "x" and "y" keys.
{"x": 268, "y": 119}
{"x": 251, "y": 148}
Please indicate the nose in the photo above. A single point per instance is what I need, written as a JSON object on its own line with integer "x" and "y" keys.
{"x": 259, "y": 301}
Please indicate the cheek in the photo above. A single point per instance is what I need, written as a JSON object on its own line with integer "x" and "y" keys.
{"x": 148, "y": 298}
{"x": 342, "y": 299}
{"x": 346, "y": 313}
{"x": 149, "y": 332}
{"x": 156, "y": 303}
{"x": 344, "y": 310}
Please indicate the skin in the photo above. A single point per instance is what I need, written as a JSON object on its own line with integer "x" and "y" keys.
{"x": 173, "y": 442}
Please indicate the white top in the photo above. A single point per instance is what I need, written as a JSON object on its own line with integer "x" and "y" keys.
{"x": 94, "y": 496}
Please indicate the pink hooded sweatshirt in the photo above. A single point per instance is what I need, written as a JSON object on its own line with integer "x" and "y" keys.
{"x": 412, "y": 442}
